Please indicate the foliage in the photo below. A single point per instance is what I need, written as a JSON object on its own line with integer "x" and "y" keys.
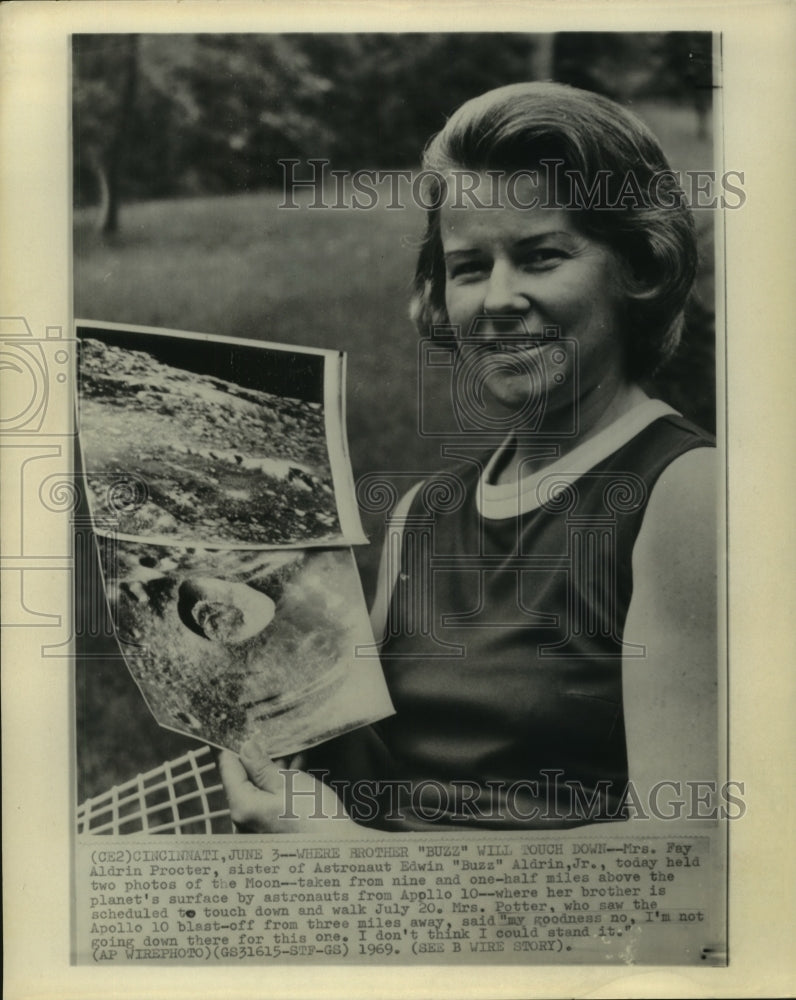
{"x": 215, "y": 113}
{"x": 625, "y": 65}
{"x": 210, "y": 110}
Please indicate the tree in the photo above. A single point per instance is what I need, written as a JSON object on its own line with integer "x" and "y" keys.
{"x": 159, "y": 115}
{"x": 106, "y": 78}
{"x": 163, "y": 115}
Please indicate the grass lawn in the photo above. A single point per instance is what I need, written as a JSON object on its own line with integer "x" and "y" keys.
{"x": 241, "y": 266}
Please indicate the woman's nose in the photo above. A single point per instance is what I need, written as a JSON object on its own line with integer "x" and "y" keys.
{"x": 504, "y": 293}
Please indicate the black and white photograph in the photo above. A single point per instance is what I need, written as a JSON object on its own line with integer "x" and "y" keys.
{"x": 230, "y": 644}
{"x": 399, "y": 491}
{"x": 217, "y": 460}
{"x": 520, "y": 268}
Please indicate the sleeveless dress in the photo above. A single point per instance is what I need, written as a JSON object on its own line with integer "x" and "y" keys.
{"x": 503, "y": 644}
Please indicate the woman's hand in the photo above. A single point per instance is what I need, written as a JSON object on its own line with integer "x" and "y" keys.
{"x": 267, "y": 797}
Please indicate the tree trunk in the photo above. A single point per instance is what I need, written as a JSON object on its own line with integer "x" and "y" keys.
{"x": 95, "y": 164}
{"x": 542, "y": 60}
{"x": 114, "y": 156}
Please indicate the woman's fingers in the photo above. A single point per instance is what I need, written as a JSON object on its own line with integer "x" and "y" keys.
{"x": 250, "y": 806}
{"x": 241, "y": 794}
{"x": 260, "y": 800}
{"x": 233, "y": 773}
{"x": 262, "y": 771}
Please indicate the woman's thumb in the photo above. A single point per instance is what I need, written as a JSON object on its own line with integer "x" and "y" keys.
{"x": 262, "y": 771}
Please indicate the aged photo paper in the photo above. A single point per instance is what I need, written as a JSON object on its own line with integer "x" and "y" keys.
{"x": 223, "y": 536}
{"x": 235, "y": 562}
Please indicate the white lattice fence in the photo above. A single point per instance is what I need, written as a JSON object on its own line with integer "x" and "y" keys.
{"x": 181, "y": 796}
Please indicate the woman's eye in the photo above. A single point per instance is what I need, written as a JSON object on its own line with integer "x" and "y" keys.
{"x": 543, "y": 258}
{"x": 467, "y": 269}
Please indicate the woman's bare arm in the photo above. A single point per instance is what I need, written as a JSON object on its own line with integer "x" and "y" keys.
{"x": 670, "y": 693}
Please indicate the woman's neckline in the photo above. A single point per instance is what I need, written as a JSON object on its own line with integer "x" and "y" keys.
{"x": 519, "y": 496}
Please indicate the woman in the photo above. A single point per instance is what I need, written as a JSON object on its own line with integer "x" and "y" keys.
{"x": 568, "y": 669}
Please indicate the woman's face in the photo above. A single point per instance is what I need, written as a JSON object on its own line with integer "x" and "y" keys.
{"x": 513, "y": 271}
